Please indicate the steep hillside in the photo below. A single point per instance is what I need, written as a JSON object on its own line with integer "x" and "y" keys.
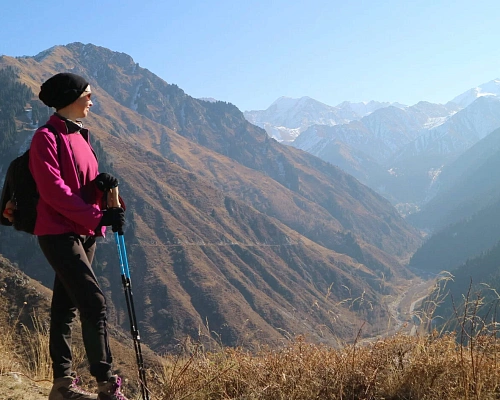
{"x": 464, "y": 213}
{"x": 228, "y": 229}
{"x": 460, "y": 132}
{"x": 472, "y": 293}
{"x": 453, "y": 245}
{"x": 464, "y": 187}
{"x": 353, "y": 161}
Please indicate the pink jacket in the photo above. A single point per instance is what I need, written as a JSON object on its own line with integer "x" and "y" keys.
{"x": 60, "y": 208}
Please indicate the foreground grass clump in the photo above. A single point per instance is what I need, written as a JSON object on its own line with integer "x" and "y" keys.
{"x": 425, "y": 366}
{"x": 395, "y": 368}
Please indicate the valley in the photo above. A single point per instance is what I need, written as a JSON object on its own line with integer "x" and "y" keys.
{"x": 312, "y": 196}
{"x": 403, "y": 315}
{"x": 230, "y": 226}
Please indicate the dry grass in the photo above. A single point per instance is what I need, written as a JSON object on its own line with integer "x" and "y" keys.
{"x": 34, "y": 356}
{"x": 25, "y": 349}
{"x": 396, "y": 368}
{"x": 8, "y": 360}
{"x": 424, "y": 366}
{"x": 461, "y": 364}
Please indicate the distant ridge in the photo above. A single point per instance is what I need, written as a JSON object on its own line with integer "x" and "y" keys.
{"x": 286, "y": 118}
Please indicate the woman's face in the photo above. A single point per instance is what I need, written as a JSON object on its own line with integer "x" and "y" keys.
{"x": 82, "y": 105}
{"x": 79, "y": 108}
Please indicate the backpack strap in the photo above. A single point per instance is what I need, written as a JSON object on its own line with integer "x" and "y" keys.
{"x": 58, "y": 144}
{"x": 58, "y": 140}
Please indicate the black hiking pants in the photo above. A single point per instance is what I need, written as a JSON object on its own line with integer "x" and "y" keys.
{"x": 76, "y": 288}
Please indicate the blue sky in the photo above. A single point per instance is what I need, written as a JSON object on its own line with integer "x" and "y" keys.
{"x": 249, "y": 53}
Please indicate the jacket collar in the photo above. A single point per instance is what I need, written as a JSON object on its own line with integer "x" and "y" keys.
{"x": 61, "y": 125}
{"x": 71, "y": 126}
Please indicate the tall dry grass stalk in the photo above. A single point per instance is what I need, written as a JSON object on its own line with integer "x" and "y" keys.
{"x": 35, "y": 355}
{"x": 8, "y": 360}
{"x": 25, "y": 349}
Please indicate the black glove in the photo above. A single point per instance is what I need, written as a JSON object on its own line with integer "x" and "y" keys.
{"x": 105, "y": 181}
{"x": 114, "y": 217}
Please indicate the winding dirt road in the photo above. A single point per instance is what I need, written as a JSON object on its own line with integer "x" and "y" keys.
{"x": 402, "y": 308}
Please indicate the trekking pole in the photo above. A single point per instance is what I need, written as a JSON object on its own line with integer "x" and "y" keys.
{"x": 114, "y": 201}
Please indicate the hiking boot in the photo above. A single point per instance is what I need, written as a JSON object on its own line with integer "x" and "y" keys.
{"x": 66, "y": 388}
{"x": 110, "y": 389}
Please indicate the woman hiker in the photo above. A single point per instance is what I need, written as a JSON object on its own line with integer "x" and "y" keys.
{"x": 69, "y": 217}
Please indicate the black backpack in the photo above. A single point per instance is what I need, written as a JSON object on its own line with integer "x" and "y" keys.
{"x": 20, "y": 188}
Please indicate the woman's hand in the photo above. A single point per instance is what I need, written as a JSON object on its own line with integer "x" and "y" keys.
{"x": 114, "y": 217}
{"x": 8, "y": 213}
{"x": 105, "y": 181}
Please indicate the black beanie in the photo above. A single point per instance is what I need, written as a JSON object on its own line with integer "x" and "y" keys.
{"x": 62, "y": 89}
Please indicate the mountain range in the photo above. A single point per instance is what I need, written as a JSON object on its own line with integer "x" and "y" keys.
{"x": 287, "y": 118}
{"x": 228, "y": 231}
{"x": 253, "y": 227}
{"x": 396, "y": 150}
{"x": 437, "y": 163}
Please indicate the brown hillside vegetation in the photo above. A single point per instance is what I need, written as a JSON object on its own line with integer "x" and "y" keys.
{"x": 399, "y": 367}
{"x": 228, "y": 230}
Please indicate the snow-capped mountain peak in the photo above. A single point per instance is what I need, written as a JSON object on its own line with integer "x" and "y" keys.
{"x": 491, "y": 88}
{"x": 287, "y": 117}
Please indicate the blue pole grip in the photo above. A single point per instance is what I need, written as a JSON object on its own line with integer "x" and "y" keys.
{"x": 122, "y": 251}
{"x": 120, "y": 254}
